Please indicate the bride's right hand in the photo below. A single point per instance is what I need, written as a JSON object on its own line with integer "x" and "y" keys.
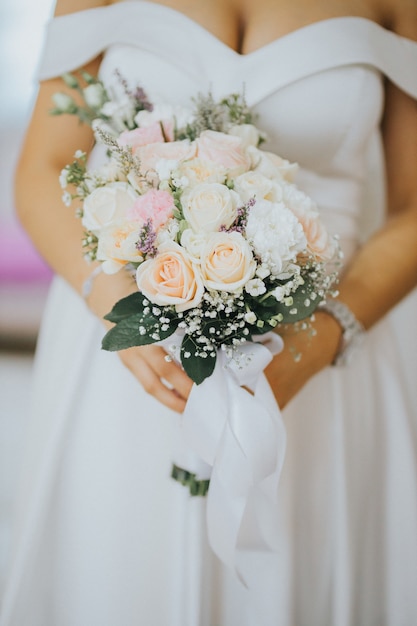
{"x": 164, "y": 380}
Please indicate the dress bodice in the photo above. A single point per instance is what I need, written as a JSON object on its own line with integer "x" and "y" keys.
{"x": 318, "y": 90}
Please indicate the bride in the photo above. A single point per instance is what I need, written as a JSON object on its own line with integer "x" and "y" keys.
{"x": 104, "y": 536}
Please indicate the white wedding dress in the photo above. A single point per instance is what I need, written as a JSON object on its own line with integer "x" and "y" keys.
{"x": 104, "y": 536}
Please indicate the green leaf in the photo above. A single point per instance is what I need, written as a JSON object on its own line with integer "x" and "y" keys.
{"x": 125, "y": 333}
{"x": 126, "y": 307}
{"x": 197, "y": 367}
{"x": 305, "y": 302}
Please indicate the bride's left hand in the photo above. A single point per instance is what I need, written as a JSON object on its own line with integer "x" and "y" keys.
{"x": 305, "y": 353}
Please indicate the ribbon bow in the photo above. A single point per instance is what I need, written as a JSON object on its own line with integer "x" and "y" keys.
{"x": 233, "y": 425}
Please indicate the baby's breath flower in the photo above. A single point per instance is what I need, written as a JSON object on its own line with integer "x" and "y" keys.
{"x": 66, "y": 198}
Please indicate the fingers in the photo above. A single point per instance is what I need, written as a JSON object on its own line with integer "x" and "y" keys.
{"x": 165, "y": 381}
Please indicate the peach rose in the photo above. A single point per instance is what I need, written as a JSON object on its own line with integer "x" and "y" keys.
{"x": 171, "y": 279}
{"x": 227, "y": 262}
{"x": 319, "y": 242}
{"x": 223, "y": 149}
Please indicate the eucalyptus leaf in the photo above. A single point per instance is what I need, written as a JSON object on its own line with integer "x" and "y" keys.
{"x": 126, "y": 334}
{"x": 126, "y": 307}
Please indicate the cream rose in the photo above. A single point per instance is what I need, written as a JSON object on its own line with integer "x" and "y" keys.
{"x": 106, "y": 204}
{"x": 248, "y": 133}
{"x": 227, "y": 262}
{"x": 153, "y": 153}
{"x": 208, "y": 206}
{"x": 117, "y": 246}
{"x": 254, "y": 185}
{"x": 171, "y": 279}
{"x": 271, "y": 165}
{"x": 225, "y": 150}
{"x": 199, "y": 171}
{"x": 111, "y": 172}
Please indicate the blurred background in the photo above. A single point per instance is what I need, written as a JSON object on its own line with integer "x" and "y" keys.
{"x": 24, "y": 278}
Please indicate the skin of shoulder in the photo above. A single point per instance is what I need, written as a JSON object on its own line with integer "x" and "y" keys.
{"x": 63, "y": 7}
{"x": 403, "y": 17}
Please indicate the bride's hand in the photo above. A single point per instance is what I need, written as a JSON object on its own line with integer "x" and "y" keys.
{"x": 164, "y": 380}
{"x": 304, "y": 355}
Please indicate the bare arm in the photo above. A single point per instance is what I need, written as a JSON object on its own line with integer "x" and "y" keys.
{"x": 49, "y": 145}
{"x": 385, "y": 268}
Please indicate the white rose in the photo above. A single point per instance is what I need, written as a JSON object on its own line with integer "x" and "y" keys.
{"x": 248, "y": 133}
{"x": 193, "y": 243}
{"x": 275, "y": 233}
{"x": 168, "y": 233}
{"x": 271, "y": 165}
{"x": 117, "y": 246}
{"x": 111, "y": 172}
{"x": 119, "y": 111}
{"x": 208, "y": 206}
{"x": 106, "y": 204}
{"x": 227, "y": 263}
{"x": 165, "y": 167}
{"x": 256, "y": 185}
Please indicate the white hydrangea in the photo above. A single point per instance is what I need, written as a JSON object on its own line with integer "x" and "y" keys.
{"x": 297, "y": 200}
{"x": 275, "y": 234}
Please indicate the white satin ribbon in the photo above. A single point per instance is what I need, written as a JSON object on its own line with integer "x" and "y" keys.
{"x": 239, "y": 439}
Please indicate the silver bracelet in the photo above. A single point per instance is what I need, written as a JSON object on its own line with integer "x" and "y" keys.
{"x": 353, "y": 331}
{"x": 88, "y": 283}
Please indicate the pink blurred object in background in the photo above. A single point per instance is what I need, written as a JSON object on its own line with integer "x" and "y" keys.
{"x": 19, "y": 261}
{"x": 24, "y": 283}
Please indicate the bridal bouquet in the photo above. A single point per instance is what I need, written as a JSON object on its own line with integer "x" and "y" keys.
{"x": 222, "y": 244}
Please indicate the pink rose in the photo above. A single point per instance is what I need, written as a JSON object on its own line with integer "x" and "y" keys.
{"x": 170, "y": 278}
{"x": 155, "y": 205}
{"x": 147, "y": 134}
{"x": 225, "y": 150}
